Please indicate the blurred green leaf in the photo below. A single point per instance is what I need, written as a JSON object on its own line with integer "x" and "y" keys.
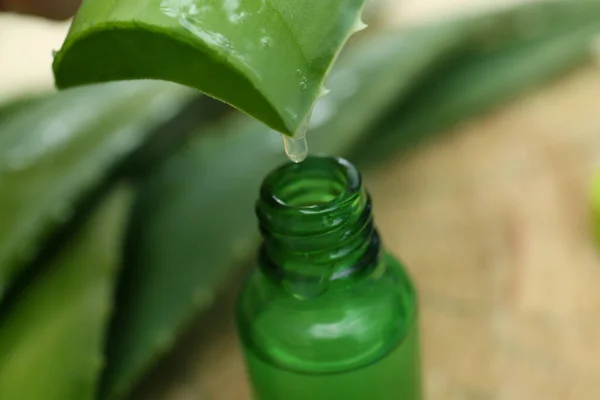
{"x": 51, "y": 340}
{"x": 267, "y": 58}
{"x": 14, "y": 105}
{"x": 502, "y": 56}
{"x": 56, "y": 150}
{"x": 192, "y": 225}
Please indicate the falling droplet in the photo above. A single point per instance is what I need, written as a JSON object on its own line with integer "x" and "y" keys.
{"x": 54, "y": 53}
{"x": 296, "y": 148}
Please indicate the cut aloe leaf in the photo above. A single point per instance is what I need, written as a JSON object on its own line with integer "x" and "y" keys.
{"x": 51, "y": 340}
{"x": 56, "y": 150}
{"x": 267, "y": 58}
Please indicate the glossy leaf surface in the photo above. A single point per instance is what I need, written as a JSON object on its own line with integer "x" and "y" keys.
{"x": 266, "y": 57}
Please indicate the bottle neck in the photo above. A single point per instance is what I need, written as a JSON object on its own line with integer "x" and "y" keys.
{"x": 317, "y": 225}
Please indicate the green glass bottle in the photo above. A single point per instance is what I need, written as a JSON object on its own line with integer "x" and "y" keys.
{"x": 327, "y": 315}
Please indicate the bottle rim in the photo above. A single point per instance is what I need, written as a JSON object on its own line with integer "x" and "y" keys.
{"x": 341, "y": 173}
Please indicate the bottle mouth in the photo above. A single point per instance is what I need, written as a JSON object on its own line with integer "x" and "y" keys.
{"x": 317, "y": 184}
{"x": 315, "y": 219}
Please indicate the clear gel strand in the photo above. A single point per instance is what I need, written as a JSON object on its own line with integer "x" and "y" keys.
{"x": 296, "y": 148}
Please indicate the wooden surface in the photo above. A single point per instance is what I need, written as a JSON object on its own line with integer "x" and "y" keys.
{"x": 493, "y": 222}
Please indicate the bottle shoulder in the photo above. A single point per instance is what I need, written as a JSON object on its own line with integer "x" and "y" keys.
{"x": 336, "y": 330}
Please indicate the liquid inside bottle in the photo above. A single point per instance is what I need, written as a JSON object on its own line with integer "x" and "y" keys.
{"x": 327, "y": 314}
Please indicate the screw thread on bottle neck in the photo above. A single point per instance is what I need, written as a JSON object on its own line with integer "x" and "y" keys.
{"x": 316, "y": 221}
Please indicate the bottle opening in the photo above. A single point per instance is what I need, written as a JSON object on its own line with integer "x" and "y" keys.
{"x": 316, "y": 222}
{"x": 316, "y": 183}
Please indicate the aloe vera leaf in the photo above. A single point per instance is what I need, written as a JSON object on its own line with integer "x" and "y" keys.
{"x": 51, "y": 340}
{"x": 194, "y": 223}
{"x": 56, "y": 150}
{"x": 506, "y": 55}
{"x": 267, "y": 58}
